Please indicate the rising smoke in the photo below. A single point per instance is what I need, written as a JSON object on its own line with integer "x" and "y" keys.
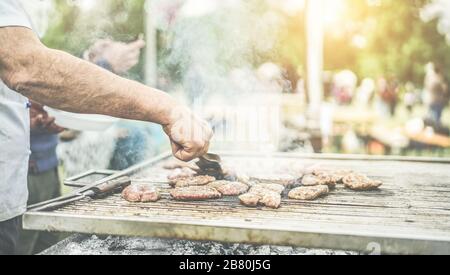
{"x": 217, "y": 52}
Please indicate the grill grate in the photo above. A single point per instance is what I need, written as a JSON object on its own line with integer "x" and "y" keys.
{"x": 409, "y": 214}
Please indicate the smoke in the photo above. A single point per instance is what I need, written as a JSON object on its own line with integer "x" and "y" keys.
{"x": 218, "y": 53}
{"x": 216, "y": 48}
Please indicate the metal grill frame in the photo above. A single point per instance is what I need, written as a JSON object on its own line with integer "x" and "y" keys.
{"x": 308, "y": 235}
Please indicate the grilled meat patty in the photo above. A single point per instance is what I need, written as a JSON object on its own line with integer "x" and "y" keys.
{"x": 261, "y": 197}
{"x": 250, "y": 199}
{"x": 179, "y": 174}
{"x": 268, "y": 195}
{"x": 195, "y": 193}
{"x": 336, "y": 176}
{"x": 308, "y": 192}
{"x": 315, "y": 180}
{"x": 229, "y": 188}
{"x": 325, "y": 177}
{"x": 359, "y": 182}
{"x": 271, "y": 200}
{"x": 194, "y": 181}
{"x": 141, "y": 193}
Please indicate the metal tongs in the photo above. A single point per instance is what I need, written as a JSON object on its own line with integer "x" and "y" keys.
{"x": 211, "y": 165}
{"x": 91, "y": 191}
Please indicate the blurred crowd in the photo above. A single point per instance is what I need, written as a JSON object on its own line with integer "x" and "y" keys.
{"x": 385, "y": 94}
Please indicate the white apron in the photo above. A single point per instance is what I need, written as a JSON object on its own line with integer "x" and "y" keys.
{"x": 14, "y": 130}
{"x": 14, "y": 153}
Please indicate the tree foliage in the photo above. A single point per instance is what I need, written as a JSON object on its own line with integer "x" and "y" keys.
{"x": 397, "y": 42}
{"x": 73, "y": 29}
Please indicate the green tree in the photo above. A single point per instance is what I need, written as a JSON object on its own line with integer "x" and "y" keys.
{"x": 399, "y": 43}
{"x": 74, "y": 30}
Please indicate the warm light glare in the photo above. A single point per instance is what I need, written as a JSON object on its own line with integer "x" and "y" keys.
{"x": 86, "y": 5}
{"x": 332, "y": 11}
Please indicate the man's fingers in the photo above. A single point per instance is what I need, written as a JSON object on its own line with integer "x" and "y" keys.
{"x": 186, "y": 153}
{"x": 192, "y": 136}
{"x": 198, "y": 151}
{"x": 180, "y": 152}
{"x": 183, "y": 155}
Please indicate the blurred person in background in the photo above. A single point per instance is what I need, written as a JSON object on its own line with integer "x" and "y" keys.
{"x": 436, "y": 92}
{"x": 43, "y": 179}
{"x": 117, "y": 57}
{"x": 387, "y": 98}
{"x": 365, "y": 92}
{"x": 411, "y": 97}
{"x": 344, "y": 86}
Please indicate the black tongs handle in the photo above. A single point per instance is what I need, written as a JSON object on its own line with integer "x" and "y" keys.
{"x": 101, "y": 189}
{"x": 111, "y": 185}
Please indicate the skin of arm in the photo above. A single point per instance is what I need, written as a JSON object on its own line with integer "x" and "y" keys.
{"x": 59, "y": 80}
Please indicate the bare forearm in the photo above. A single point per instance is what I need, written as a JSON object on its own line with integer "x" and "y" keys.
{"x": 59, "y": 80}
{"x": 71, "y": 84}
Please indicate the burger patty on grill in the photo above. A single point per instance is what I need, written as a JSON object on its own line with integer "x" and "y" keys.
{"x": 179, "y": 174}
{"x": 359, "y": 182}
{"x": 195, "y": 193}
{"x": 308, "y": 192}
{"x": 194, "y": 181}
{"x": 141, "y": 193}
{"x": 250, "y": 199}
{"x": 258, "y": 195}
{"x": 229, "y": 188}
{"x": 336, "y": 176}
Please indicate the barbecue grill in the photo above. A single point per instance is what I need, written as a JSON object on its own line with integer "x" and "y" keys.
{"x": 410, "y": 214}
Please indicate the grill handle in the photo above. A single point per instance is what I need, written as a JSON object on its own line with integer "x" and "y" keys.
{"x": 111, "y": 185}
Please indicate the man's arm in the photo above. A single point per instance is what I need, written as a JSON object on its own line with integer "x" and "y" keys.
{"x": 57, "y": 79}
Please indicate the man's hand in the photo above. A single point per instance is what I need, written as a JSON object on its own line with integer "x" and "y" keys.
{"x": 41, "y": 121}
{"x": 189, "y": 135}
{"x": 120, "y": 56}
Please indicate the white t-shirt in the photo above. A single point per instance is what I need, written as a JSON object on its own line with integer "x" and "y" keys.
{"x": 14, "y": 130}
